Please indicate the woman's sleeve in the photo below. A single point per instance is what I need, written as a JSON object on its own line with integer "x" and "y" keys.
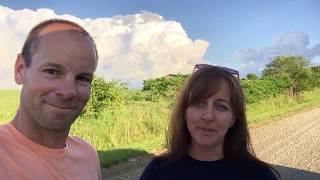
{"x": 263, "y": 172}
{"x": 147, "y": 173}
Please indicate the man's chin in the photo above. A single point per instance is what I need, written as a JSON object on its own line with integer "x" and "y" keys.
{"x": 58, "y": 123}
{"x": 57, "y": 127}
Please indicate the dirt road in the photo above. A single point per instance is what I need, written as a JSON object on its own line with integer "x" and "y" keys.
{"x": 291, "y": 144}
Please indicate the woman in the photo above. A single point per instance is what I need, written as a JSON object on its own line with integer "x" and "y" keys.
{"x": 208, "y": 136}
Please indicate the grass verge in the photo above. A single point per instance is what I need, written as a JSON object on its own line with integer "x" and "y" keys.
{"x": 138, "y": 128}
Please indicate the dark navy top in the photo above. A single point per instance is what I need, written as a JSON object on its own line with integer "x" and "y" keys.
{"x": 188, "y": 168}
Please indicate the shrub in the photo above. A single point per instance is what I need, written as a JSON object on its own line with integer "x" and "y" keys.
{"x": 315, "y": 77}
{"x": 105, "y": 95}
{"x": 166, "y": 87}
{"x": 256, "y": 90}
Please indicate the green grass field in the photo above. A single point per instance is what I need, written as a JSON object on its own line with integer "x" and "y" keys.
{"x": 9, "y": 101}
{"x": 139, "y": 127}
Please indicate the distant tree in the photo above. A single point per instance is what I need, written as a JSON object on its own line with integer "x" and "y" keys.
{"x": 294, "y": 68}
{"x": 315, "y": 80}
{"x": 315, "y": 69}
{"x": 252, "y": 76}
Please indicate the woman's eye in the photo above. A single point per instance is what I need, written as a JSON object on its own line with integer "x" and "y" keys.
{"x": 221, "y": 107}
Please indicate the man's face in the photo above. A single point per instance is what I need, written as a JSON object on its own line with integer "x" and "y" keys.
{"x": 56, "y": 86}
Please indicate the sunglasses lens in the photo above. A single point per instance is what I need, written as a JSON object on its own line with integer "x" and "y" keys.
{"x": 200, "y": 66}
{"x": 229, "y": 70}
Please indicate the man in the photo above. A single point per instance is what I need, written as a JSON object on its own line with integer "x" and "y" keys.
{"x": 55, "y": 70}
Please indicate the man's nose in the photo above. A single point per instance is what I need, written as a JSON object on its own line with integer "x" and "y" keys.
{"x": 67, "y": 89}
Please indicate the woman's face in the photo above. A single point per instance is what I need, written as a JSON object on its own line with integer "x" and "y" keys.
{"x": 209, "y": 119}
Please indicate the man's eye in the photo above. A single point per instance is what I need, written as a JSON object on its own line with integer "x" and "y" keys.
{"x": 84, "y": 79}
{"x": 51, "y": 71}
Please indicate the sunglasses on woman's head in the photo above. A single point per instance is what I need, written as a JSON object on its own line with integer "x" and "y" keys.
{"x": 226, "y": 69}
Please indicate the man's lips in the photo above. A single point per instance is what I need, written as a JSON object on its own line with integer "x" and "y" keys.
{"x": 66, "y": 107}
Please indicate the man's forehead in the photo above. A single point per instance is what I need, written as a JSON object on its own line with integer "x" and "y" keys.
{"x": 56, "y": 27}
{"x": 64, "y": 43}
{"x": 62, "y": 37}
{"x": 64, "y": 46}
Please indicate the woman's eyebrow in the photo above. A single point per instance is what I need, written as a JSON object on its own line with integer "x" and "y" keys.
{"x": 224, "y": 100}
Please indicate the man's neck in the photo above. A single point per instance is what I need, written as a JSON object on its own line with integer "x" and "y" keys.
{"x": 39, "y": 135}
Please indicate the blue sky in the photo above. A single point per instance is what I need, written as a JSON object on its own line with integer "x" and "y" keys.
{"x": 242, "y": 34}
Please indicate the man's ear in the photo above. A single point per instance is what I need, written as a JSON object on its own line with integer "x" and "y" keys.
{"x": 19, "y": 68}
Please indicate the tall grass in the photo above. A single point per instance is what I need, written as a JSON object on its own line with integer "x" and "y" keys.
{"x": 9, "y": 101}
{"x": 281, "y": 105}
{"x": 139, "y": 127}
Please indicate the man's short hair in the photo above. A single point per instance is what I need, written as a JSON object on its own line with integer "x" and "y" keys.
{"x": 29, "y": 47}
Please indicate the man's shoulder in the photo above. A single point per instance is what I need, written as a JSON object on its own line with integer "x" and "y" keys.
{"x": 75, "y": 142}
{"x": 4, "y": 126}
{"x": 5, "y": 130}
{"x": 83, "y": 151}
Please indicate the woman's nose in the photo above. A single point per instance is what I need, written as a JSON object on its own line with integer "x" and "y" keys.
{"x": 208, "y": 114}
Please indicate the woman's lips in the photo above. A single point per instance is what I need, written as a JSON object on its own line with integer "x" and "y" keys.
{"x": 206, "y": 131}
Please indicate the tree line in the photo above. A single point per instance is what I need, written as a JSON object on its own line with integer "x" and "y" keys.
{"x": 284, "y": 74}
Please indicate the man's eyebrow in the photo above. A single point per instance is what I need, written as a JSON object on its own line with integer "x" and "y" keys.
{"x": 86, "y": 74}
{"x": 53, "y": 65}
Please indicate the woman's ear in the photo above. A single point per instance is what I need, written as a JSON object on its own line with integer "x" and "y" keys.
{"x": 19, "y": 68}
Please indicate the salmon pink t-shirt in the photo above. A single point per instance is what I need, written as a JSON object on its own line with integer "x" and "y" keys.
{"x": 21, "y": 158}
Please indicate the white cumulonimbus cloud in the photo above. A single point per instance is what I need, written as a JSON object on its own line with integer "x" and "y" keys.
{"x": 290, "y": 43}
{"x": 131, "y": 48}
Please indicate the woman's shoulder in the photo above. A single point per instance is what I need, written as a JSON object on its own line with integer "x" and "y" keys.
{"x": 162, "y": 167}
{"x": 155, "y": 163}
{"x": 260, "y": 170}
{"x": 152, "y": 167}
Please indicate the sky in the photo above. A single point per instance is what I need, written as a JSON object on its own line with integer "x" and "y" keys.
{"x": 143, "y": 39}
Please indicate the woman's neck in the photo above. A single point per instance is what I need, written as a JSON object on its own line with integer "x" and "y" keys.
{"x": 204, "y": 153}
